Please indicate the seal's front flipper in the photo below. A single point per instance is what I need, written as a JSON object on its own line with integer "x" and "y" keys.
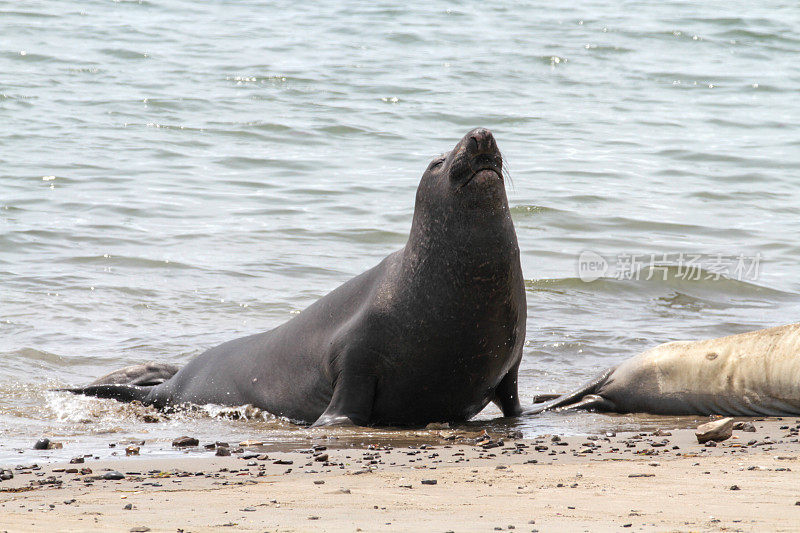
{"x": 351, "y": 404}
{"x": 574, "y": 399}
{"x": 506, "y": 396}
{"x": 122, "y": 393}
{"x": 143, "y": 375}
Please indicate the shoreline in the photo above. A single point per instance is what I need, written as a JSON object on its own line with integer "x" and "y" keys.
{"x": 661, "y": 480}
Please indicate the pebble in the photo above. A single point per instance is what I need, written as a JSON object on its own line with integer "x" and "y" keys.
{"x": 113, "y": 475}
{"x": 140, "y": 529}
{"x": 429, "y": 482}
{"x": 42, "y": 444}
{"x": 735, "y": 487}
{"x": 128, "y": 507}
{"x": 223, "y": 451}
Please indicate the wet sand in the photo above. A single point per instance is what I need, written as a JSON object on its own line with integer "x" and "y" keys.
{"x": 458, "y": 481}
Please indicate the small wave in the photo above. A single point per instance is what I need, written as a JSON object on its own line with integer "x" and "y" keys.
{"x": 674, "y": 285}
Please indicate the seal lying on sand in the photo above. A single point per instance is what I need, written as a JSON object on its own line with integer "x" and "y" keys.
{"x": 750, "y": 374}
{"x": 433, "y": 333}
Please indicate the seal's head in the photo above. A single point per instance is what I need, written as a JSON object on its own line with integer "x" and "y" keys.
{"x": 464, "y": 187}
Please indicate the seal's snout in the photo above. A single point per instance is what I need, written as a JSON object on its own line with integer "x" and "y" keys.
{"x": 481, "y": 141}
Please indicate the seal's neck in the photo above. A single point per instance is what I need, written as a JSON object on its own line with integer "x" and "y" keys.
{"x": 466, "y": 242}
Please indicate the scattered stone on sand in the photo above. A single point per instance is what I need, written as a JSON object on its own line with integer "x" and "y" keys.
{"x": 429, "y": 482}
{"x": 185, "y": 441}
{"x": 250, "y": 443}
{"x": 438, "y": 425}
{"x": 131, "y": 450}
{"x": 321, "y": 458}
{"x": 744, "y": 426}
{"x": 128, "y": 507}
{"x": 76, "y": 460}
{"x": 735, "y": 487}
{"x": 715, "y": 431}
{"x": 140, "y": 529}
{"x": 47, "y": 444}
{"x": 223, "y": 451}
{"x": 6, "y": 475}
{"x": 112, "y": 475}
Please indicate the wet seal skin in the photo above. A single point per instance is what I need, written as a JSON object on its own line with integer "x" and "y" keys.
{"x": 433, "y": 333}
{"x": 750, "y": 374}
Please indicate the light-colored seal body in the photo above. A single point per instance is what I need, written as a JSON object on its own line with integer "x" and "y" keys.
{"x": 750, "y": 374}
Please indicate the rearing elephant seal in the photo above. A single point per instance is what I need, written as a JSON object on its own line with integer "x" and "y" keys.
{"x": 433, "y": 333}
{"x": 750, "y": 374}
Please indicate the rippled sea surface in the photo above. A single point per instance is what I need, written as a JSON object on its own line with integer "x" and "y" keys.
{"x": 177, "y": 174}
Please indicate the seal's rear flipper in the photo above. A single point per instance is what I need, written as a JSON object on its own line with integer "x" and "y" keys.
{"x": 581, "y": 398}
{"x": 143, "y": 375}
{"x": 122, "y": 393}
{"x": 591, "y": 401}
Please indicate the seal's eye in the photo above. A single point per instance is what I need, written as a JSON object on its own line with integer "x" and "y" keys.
{"x": 437, "y": 163}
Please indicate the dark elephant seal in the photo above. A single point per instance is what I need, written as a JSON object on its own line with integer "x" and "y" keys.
{"x": 750, "y": 374}
{"x": 433, "y": 333}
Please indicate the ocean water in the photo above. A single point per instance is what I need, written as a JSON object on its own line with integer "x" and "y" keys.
{"x": 177, "y": 174}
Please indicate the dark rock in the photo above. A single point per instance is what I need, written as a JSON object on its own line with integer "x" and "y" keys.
{"x": 76, "y": 460}
{"x": 113, "y": 475}
{"x": 321, "y": 458}
{"x": 223, "y": 451}
{"x": 429, "y": 482}
{"x": 735, "y": 487}
{"x": 744, "y": 426}
{"x": 185, "y": 441}
{"x": 128, "y": 507}
{"x": 42, "y": 444}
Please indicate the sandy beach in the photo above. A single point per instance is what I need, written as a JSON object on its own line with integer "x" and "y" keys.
{"x": 459, "y": 481}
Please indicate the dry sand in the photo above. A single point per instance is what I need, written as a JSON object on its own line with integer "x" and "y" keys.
{"x": 663, "y": 481}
